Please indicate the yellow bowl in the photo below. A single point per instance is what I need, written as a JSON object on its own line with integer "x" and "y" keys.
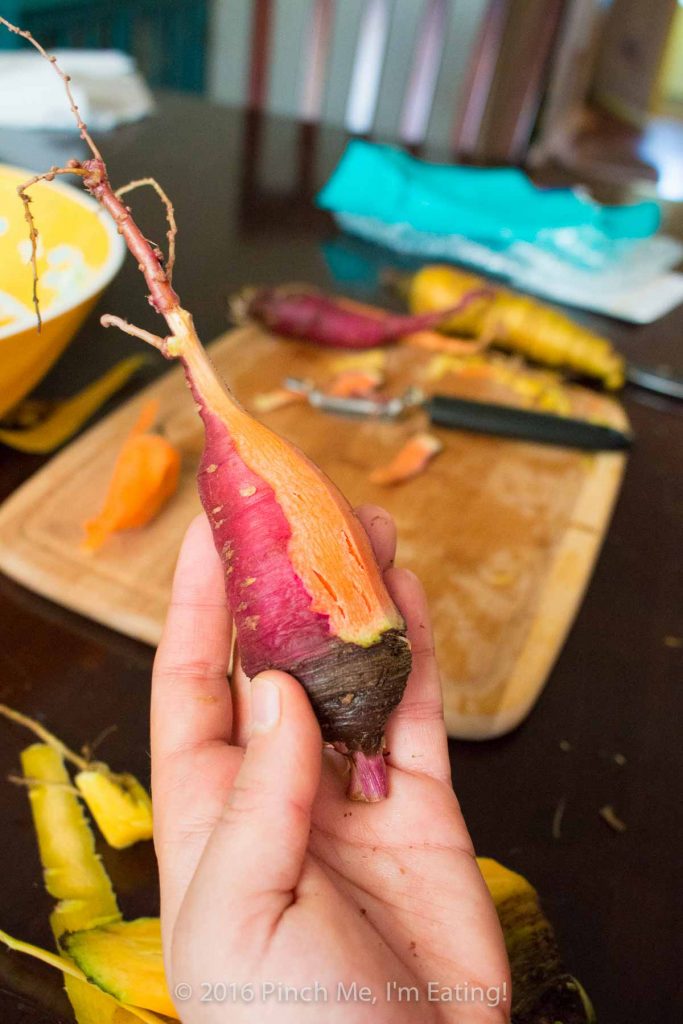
{"x": 79, "y": 252}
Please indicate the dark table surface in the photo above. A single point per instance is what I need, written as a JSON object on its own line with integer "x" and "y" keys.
{"x": 242, "y": 189}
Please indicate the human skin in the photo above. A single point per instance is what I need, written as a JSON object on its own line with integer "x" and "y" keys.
{"x": 269, "y": 874}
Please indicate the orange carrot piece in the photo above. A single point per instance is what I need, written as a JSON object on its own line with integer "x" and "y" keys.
{"x": 145, "y": 475}
{"x": 355, "y": 383}
{"x": 432, "y": 341}
{"x": 411, "y": 460}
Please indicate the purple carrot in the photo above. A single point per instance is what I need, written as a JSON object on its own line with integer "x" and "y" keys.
{"x": 337, "y": 323}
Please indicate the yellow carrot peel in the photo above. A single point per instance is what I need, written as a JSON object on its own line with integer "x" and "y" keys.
{"x": 67, "y": 967}
{"x": 119, "y": 803}
{"x": 68, "y": 416}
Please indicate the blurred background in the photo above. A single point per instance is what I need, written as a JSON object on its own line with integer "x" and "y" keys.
{"x": 595, "y": 86}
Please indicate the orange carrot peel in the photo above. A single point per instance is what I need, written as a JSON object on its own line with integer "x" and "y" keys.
{"x": 355, "y": 384}
{"x": 410, "y": 461}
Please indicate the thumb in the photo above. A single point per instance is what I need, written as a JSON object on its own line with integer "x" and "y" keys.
{"x": 258, "y": 846}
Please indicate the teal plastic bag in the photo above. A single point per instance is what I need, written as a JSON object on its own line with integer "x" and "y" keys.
{"x": 376, "y": 186}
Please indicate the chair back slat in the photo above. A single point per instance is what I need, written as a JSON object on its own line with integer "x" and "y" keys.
{"x": 479, "y": 77}
{"x": 404, "y": 30}
{"x": 314, "y": 62}
{"x": 424, "y": 72}
{"x": 261, "y": 29}
{"x": 366, "y": 76}
{"x": 438, "y": 72}
{"x": 524, "y": 115}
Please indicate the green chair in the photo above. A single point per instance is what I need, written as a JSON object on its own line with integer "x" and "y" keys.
{"x": 166, "y": 37}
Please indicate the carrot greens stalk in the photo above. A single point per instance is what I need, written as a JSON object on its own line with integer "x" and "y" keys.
{"x": 301, "y": 578}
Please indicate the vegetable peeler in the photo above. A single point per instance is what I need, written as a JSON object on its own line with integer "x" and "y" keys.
{"x": 479, "y": 417}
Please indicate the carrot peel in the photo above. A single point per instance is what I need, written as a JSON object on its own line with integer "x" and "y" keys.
{"x": 278, "y": 398}
{"x": 355, "y": 383}
{"x": 411, "y": 460}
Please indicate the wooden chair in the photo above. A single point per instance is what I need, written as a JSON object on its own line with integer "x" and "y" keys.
{"x": 343, "y": 67}
{"x": 452, "y": 89}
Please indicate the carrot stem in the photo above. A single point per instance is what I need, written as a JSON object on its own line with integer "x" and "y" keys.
{"x": 368, "y": 782}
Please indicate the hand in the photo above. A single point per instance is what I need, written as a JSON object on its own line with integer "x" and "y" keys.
{"x": 270, "y": 876}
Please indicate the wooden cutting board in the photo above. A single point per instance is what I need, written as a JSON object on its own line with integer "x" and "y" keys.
{"x": 504, "y": 534}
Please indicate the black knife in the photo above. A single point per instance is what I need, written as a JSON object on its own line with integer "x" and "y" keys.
{"x": 524, "y": 424}
{"x": 479, "y": 417}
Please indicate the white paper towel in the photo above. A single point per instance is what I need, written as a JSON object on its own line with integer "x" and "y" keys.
{"x": 105, "y": 83}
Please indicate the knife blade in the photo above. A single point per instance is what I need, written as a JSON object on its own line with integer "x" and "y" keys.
{"x": 658, "y": 379}
{"x": 479, "y": 417}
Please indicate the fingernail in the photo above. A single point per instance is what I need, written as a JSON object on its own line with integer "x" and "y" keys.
{"x": 265, "y": 705}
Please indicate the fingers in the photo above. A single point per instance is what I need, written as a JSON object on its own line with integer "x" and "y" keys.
{"x": 262, "y": 835}
{"x": 192, "y": 766}
{"x": 240, "y": 691}
{"x": 381, "y": 530}
{"x": 190, "y": 695}
{"x": 416, "y": 735}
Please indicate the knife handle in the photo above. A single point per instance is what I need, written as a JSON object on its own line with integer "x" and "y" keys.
{"x": 523, "y": 424}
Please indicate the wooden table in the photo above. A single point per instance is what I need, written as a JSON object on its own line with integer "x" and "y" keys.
{"x": 242, "y": 189}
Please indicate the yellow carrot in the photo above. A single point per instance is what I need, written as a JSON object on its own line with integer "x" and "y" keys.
{"x": 514, "y": 322}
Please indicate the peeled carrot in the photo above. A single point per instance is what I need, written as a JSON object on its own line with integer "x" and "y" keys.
{"x": 411, "y": 460}
{"x": 145, "y": 476}
{"x": 337, "y": 323}
{"x": 304, "y": 588}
